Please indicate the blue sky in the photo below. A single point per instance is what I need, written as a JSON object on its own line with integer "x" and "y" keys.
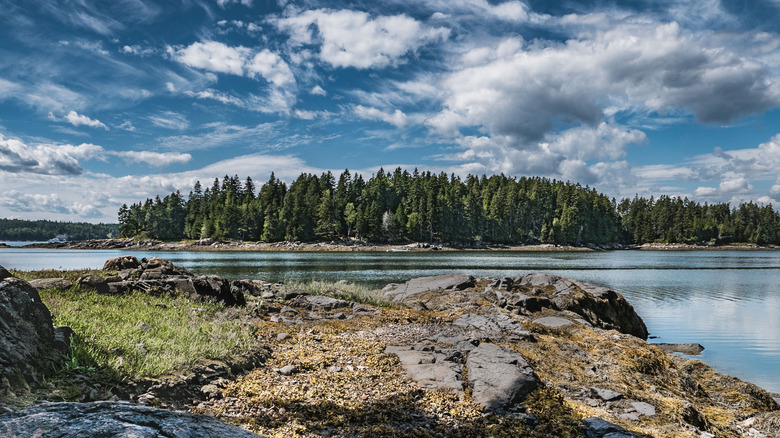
{"x": 104, "y": 103}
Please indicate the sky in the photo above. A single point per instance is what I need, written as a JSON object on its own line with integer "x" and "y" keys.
{"x": 104, "y": 103}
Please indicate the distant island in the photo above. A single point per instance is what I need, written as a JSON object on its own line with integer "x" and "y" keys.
{"x": 425, "y": 207}
{"x": 42, "y": 230}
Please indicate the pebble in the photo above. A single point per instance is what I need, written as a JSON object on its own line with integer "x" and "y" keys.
{"x": 282, "y": 336}
{"x": 287, "y": 370}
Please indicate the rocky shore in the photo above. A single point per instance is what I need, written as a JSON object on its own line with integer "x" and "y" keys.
{"x": 352, "y": 245}
{"x": 453, "y": 355}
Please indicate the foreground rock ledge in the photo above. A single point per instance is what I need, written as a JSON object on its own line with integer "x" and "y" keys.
{"x": 111, "y": 419}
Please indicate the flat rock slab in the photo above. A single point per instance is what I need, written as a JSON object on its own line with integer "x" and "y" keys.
{"x": 51, "y": 283}
{"x": 319, "y": 302}
{"x": 500, "y": 377}
{"x": 400, "y": 292}
{"x": 111, "y": 419}
{"x": 553, "y": 321}
{"x": 432, "y": 368}
{"x": 689, "y": 349}
{"x": 493, "y": 325}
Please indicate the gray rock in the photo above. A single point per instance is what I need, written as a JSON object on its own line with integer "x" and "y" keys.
{"x": 494, "y": 325}
{"x": 51, "y": 283}
{"x": 290, "y": 294}
{"x": 606, "y": 394}
{"x": 28, "y": 345}
{"x": 500, "y": 377}
{"x": 93, "y": 282}
{"x": 121, "y": 263}
{"x": 429, "y": 367}
{"x": 400, "y": 292}
{"x": 644, "y": 409}
{"x": 598, "y": 428}
{"x": 529, "y": 304}
{"x": 553, "y": 321}
{"x": 287, "y": 370}
{"x": 282, "y": 336}
{"x": 111, "y": 419}
{"x": 600, "y": 306}
{"x": 689, "y": 349}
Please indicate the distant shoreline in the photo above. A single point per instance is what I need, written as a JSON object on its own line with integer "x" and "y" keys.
{"x": 213, "y": 245}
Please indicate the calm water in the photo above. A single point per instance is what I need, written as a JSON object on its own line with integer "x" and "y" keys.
{"x": 728, "y": 301}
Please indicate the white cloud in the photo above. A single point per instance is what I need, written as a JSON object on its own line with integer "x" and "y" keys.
{"x": 222, "y": 3}
{"x": 170, "y": 120}
{"x": 214, "y": 56}
{"x": 155, "y": 159}
{"x": 77, "y": 119}
{"x": 17, "y": 201}
{"x": 606, "y": 140}
{"x": 353, "y": 39}
{"x": 318, "y": 91}
{"x": 271, "y": 67}
{"x": 216, "y": 95}
{"x": 396, "y": 118}
{"x": 127, "y": 125}
{"x": 18, "y": 157}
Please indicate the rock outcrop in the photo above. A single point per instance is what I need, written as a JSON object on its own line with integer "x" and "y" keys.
{"x": 111, "y": 419}
{"x": 28, "y": 345}
{"x": 500, "y": 377}
{"x": 158, "y": 276}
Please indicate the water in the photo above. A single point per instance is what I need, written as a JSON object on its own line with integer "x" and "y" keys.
{"x": 728, "y": 301}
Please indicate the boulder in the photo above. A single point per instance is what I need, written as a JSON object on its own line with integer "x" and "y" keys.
{"x": 218, "y": 289}
{"x": 28, "y": 346}
{"x": 111, "y": 419}
{"x": 689, "y": 349}
{"x": 500, "y": 377}
{"x": 51, "y": 283}
{"x": 598, "y": 305}
{"x": 400, "y": 292}
{"x": 93, "y": 282}
{"x": 318, "y": 303}
{"x": 121, "y": 263}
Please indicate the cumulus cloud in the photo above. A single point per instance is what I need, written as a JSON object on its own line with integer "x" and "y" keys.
{"x": 396, "y": 118}
{"x": 350, "y": 38}
{"x": 156, "y": 159}
{"x": 15, "y": 200}
{"x": 77, "y": 119}
{"x": 214, "y": 56}
{"x": 18, "y": 157}
{"x": 318, "y": 91}
{"x": 526, "y": 90}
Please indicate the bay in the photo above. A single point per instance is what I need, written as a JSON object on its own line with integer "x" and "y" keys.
{"x": 728, "y": 301}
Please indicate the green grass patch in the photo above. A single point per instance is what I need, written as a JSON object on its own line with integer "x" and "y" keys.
{"x": 138, "y": 336}
{"x": 344, "y": 291}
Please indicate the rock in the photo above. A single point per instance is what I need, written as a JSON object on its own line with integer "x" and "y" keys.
{"x": 218, "y": 289}
{"x": 689, "y": 349}
{"x": 121, "y": 263}
{"x": 529, "y": 304}
{"x": 290, "y": 294}
{"x": 51, "y": 283}
{"x": 287, "y": 370}
{"x": 282, "y": 336}
{"x": 606, "y": 394}
{"x": 428, "y": 366}
{"x": 598, "y": 428}
{"x": 494, "y": 325}
{"x": 111, "y": 419}
{"x": 93, "y": 282}
{"x": 28, "y": 345}
{"x": 598, "y": 305}
{"x": 400, "y": 292}
{"x": 553, "y": 321}
{"x": 500, "y": 377}
{"x": 644, "y": 409}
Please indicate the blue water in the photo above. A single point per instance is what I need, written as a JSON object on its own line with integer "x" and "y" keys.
{"x": 728, "y": 301}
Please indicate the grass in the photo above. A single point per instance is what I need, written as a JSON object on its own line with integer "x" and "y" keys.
{"x": 345, "y": 291}
{"x": 140, "y": 336}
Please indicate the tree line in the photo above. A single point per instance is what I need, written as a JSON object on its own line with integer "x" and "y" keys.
{"x": 400, "y": 206}
{"x": 25, "y": 230}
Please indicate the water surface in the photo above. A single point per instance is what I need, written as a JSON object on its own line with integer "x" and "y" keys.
{"x": 728, "y": 301}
